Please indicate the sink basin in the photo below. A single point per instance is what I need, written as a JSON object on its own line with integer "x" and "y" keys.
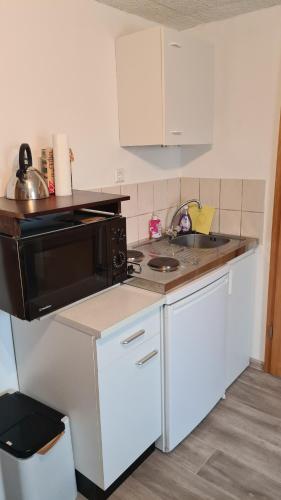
{"x": 200, "y": 241}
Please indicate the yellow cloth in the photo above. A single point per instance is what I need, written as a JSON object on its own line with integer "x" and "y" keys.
{"x": 202, "y": 218}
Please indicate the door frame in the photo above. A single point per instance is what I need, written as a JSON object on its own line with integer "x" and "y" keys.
{"x": 275, "y": 267}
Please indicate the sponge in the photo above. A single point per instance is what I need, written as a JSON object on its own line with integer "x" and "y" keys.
{"x": 202, "y": 218}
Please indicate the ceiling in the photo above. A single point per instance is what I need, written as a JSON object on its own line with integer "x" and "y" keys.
{"x": 184, "y": 14}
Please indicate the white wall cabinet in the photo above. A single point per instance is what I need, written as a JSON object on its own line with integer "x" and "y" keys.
{"x": 110, "y": 389}
{"x": 240, "y": 315}
{"x": 165, "y": 88}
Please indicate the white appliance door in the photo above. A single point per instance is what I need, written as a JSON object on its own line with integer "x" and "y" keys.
{"x": 194, "y": 359}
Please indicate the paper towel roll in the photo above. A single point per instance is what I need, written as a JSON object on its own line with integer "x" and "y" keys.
{"x": 62, "y": 165}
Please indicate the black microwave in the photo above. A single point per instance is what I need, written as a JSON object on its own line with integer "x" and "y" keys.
{"x": 60, "y": 259}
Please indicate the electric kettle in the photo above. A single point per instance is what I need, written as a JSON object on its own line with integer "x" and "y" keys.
{"x": 28, "y": 183}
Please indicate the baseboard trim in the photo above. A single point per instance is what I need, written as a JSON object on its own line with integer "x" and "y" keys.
{"x": 93, "y": 492}
{"x": 257, "y": 364}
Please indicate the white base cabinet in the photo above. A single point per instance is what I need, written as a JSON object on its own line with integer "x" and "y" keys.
{"x": 130, "y": 403}
{"x": 240, "y": 315}
{"x": 110, "y": 388}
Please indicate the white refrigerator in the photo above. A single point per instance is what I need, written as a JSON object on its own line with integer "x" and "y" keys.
{"x": 194, "y": 365}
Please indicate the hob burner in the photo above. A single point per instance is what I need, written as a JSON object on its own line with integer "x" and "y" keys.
{"x": 163, "y": 264}
{"x": 134, "y": 256}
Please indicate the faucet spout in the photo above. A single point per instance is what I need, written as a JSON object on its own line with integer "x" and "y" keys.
{"x": 173, "y": 231}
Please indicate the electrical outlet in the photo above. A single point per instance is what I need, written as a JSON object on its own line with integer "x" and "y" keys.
{"x": 119, "y": 175}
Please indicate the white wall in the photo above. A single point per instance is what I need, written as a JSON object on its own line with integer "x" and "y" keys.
{"x": 8, "y": 373}
{"x": 247, "y": 110}
{"x": 58, "y": 74}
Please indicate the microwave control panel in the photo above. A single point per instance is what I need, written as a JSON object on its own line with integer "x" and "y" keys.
{"x": 119, "y": 250}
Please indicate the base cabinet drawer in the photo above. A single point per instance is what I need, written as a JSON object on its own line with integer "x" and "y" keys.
{"x": 130, "y": 407}
{"x": 125, "y": 339}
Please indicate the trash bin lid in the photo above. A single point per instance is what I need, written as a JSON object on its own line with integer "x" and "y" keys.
{"x": 26, "y": 426}
{"x": 30, "y": 434}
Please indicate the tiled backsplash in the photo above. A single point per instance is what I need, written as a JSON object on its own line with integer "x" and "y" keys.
{"x": 239, "y": 203}
{"x": 161, "y": 197}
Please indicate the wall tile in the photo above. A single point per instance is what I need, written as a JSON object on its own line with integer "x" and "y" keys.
{"x": 170, "y": 214}
{"x": 210, "y": 192}
{"x": 189, "y": 188}
{"x": 130, "y": 207}
{"x": 252, "y": 224}
{"x": 112, "y": 189}
{"x": 163, "y": 217}
{"x": 253, "y": 195}
{"x": 215, "y": 227}
{"x": 173, "y": 195}
{"x": 231, "y": 194}
{"x": 132, "y": 230}
{"x": 145, "y": 197}
{"x": 143, "y": 226}
{"x": 160, "y": 193}
{"x": 230, "y": 222}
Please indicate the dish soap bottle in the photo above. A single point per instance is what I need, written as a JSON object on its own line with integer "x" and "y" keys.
{"x": 185, "y": 221}
{"x": 155, "y": 228}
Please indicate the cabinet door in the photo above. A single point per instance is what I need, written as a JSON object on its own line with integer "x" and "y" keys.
{"x": 194, "y": 359}
{"x": 188, "y": 81}
{"x": 130, "y": 407}
{"x": 240, "y": 316}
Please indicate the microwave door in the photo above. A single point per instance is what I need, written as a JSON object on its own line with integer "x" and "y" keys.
{"x": 63, "y": 267}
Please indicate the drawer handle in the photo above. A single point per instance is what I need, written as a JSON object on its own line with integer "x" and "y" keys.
{"x": 133, "y": 337}
{"x": 146, "y": 358}
{"x": 176, "y": 132}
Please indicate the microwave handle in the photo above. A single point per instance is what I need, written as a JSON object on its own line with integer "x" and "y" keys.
{"x": 92, "y": 211}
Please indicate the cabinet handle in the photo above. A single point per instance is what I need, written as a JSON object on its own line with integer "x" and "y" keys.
{"x": 146, "y": 358}
{"x": 176, "y": 132}
{"x": 133, "y": 337}
{"x": 175, "y": 44}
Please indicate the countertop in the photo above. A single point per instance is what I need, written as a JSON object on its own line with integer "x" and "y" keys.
{"x": 194, "y": 262}
{"x": 111, "y": 309}
{"x": 100, "y": 315}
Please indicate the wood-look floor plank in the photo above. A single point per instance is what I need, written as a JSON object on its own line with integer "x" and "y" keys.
{"x": 170, "y": 480}
{"x": 250, "y": 420}
{"x": 191, "y": 453}
{"x": 262, "y": 380}
{"x": 238, "y": 479}
{"x": 218, "y": 432}
{"x": 258, "y": 398}
{"x": 234, "y": 454}
{"x": 132, "y": 489}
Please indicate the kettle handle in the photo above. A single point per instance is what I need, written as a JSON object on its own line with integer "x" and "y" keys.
{"x": 25, "y": 160}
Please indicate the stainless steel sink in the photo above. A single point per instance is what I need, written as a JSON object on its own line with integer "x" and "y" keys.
{"x": 200, "y": 241}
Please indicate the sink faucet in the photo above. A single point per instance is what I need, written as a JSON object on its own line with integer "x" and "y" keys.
{"x": 173, "y": 231}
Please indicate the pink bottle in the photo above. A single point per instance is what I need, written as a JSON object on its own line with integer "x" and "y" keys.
{"x": 155, "y": 228}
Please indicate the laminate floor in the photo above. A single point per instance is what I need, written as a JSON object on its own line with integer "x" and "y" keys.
{"x": 235, "y": 453}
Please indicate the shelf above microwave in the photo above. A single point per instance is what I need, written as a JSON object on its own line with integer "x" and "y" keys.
{"x": 13, "y": 211}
